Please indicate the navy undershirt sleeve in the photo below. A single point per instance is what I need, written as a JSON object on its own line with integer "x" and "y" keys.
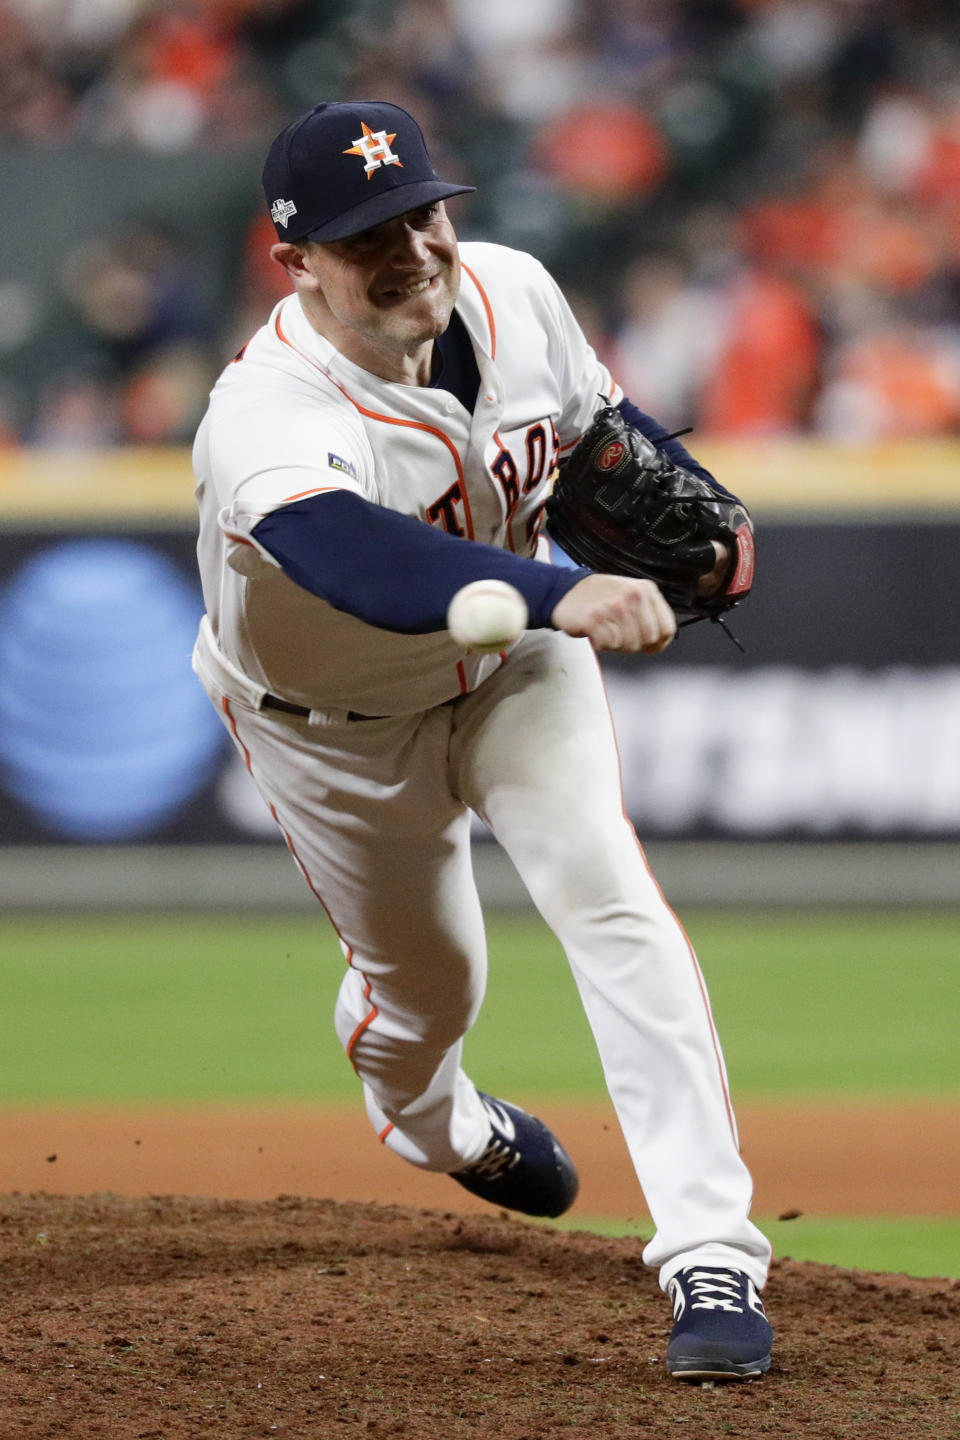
{"x": 393, "y": 571}
{"x": 658, "y": 433}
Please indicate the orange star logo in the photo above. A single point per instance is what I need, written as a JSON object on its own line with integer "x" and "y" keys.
{"x": 374, "y": 147}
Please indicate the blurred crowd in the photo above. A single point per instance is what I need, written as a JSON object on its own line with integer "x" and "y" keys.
{"x": 753, "y": 205}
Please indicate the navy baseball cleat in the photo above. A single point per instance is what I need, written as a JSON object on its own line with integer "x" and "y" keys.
{"x": 524, "y": 1166}
{"x": 720, "y": 1330}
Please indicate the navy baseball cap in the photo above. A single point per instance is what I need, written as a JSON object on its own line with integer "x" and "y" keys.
{"x": 346, "y": 166}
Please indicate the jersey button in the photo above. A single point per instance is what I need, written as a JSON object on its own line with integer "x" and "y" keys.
{"x": 449, "y": 406}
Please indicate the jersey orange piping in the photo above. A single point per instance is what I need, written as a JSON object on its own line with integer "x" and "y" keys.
{"x": 368, "y": 1019}
{"x": 374, "y": 1011}
{"x": 317, "y": 490}
{"x": 375, "y": 414}
{"x": 225, "y": 705}
{"x": 487, "y": 307}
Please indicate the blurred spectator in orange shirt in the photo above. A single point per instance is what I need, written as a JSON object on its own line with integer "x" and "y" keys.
{"x": 894, "y": 383}
{"x": 602, "y": 151}
{"x": 765, "y": 373}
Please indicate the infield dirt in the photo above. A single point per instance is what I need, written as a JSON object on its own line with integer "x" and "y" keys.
{"x": 831, "y": 1157}
{"x": 169, "y": 1319}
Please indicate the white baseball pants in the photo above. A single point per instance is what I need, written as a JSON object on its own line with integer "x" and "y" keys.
{"x": 376, "y": 814}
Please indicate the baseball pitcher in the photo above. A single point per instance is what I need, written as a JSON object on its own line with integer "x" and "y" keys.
{"x": 390, "y": 436}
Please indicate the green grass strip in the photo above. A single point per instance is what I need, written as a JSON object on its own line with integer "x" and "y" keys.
{"x": 918, "y": 1245}
{"x": 154, "y": 1007}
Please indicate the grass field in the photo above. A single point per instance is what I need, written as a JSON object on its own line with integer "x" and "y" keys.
{"x": 917, "y": 1245}
{"x": 170, "y": 1009}
{"x": 207, "y": 1008}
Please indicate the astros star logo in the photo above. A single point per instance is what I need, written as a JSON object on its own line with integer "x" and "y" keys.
{"x": 374, "y": 146}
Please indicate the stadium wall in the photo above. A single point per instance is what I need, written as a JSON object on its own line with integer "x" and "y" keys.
{"x": 820, "y": 763}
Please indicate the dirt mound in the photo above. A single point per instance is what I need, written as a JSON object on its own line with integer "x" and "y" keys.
{"x": 169, "y": 1318}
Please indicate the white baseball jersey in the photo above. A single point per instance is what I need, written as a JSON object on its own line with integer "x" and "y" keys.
{"x": 291, "y": 417}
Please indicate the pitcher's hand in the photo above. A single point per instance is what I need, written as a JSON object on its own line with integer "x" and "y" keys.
{"x": 616, "y": 612}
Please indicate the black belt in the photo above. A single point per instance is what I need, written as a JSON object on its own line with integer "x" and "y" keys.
{"x": 274, "y": 702}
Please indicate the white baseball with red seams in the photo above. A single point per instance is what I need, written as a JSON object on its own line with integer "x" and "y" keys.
{"x": 377, "y": 811}
{"x": 486, "y": 616}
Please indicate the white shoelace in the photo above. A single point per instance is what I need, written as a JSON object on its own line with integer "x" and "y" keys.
{"x": 497, "y": 1158}
{"x": 720, "y": 1290}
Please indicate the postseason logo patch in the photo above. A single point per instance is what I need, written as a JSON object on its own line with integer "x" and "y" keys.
{"x": 336, "y": 462}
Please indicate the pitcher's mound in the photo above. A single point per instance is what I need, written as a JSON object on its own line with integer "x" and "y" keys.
{"x": 172, "y": 1319}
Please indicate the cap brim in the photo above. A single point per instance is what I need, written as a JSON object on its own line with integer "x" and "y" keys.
{"x": 385, "y": 206}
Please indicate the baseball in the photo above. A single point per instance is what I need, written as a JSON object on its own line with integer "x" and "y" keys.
{"x": 486, "y": 615}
